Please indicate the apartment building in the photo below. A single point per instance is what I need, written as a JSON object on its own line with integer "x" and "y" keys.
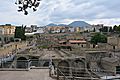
{"x": 7, "y": 32}
{"x": 57, "y": 29}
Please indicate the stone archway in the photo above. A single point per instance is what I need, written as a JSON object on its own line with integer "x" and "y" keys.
{"x": 46, "y": 64}
{"x": 34, "y": 61}
{"x": 79, "y": 64}
{"x": 22, "y": 62}
{"x": 22, "y": 58}
{"x": 78, "y": 69}
{"x": 63, "y": 66}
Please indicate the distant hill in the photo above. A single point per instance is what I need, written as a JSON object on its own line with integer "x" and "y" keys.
{"x": 79, "y": 24}
{"x": 52, "y": 24}
{"x": 73, "y": 24}
{"x": 62, "y": 25}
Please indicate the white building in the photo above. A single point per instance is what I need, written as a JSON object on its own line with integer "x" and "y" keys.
{"x": 97, "y": 27}
{"x": 1, "y": 30}
{"x": 71, "y": 29}
{"x": 56, "y": 31}
{"x": 40, "y": 30}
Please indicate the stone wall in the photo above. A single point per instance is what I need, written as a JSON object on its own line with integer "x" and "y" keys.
{"x": 9, "y": 48}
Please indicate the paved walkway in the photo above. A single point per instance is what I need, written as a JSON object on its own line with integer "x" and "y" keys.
{"x": 33, "y": 74}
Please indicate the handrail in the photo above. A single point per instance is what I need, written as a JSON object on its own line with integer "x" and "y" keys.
{"x": 71, "y": 77}
{"x": 93, "y": 69}
{"x": 61, "y": 73}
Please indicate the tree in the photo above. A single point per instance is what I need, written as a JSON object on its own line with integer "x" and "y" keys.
{"x": 104, "y": 29}
{"x": 11, "y": 39}
{"x": 20, "y": 33}
{"x": 110, "y": 30}
{"x": 23, "y": 5}
{"x": 94, "y": 30}
{"x": 98, "y": 38}
{"x": 115, "y": 28}
{"x": 118, "y": 28}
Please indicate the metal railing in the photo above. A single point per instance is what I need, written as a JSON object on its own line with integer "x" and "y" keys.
{"x": 62, "y": 72}
{"x": 23, "y": 64}
{"x": 84, "y": 74}
{"x": 61, "y": 75}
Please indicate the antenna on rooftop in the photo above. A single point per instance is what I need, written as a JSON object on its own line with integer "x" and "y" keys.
{"x": 23, "y": 5}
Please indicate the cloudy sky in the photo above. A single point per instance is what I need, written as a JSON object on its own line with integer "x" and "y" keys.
{"x": 63, "y": 11}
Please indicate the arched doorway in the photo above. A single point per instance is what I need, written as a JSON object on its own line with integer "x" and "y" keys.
{"x": 78, "y": 69}
{"x": 63, "y": 66}
{"x": 34, "y": 61}
{"x": 22, "y": 62}
{"x": 47, "y": 63}
{"x": 79, "y": 64}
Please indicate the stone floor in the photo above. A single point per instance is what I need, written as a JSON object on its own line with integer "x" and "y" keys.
{"x": 33, "y": 74}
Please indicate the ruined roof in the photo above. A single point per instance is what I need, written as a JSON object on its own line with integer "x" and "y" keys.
{"x": 77, "y": 41}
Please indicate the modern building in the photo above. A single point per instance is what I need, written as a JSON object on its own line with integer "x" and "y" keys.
{"x": 71, "y": 29}
{"x": 96, "y": 28}
{"x": 40, "y": 30}
{"x": 57, "y": 29}
{"x": 28, "y": 30}
{"x": 7, "y": 32}
{"x": 77, "y": 29}
{"x": 34, "y": 28}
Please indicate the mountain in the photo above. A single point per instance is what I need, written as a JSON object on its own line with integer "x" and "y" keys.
{"x": 52, "y": 24}
{"x": 79, "y": 24}
{"x": 73, "y": 24}
{"x": 62, "y": 25}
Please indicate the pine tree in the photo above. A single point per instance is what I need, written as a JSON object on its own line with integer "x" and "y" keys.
{"x": 20, "y": 33}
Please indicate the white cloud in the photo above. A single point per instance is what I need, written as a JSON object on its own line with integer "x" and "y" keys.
{"x": 109, "y": 22}
{"x": 63, "y": 11}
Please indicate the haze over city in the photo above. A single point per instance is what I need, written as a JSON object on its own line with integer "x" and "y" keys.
{"x": 63, "y": 11}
